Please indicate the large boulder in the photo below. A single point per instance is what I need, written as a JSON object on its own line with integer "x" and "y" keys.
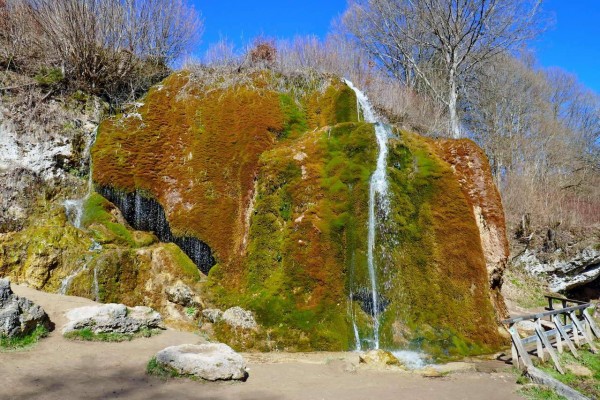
{"x": 237, "y": 317}
{"x": 211, "y": 362}
{"x": 112, "y": 318}
{"x": 18, "y": 315}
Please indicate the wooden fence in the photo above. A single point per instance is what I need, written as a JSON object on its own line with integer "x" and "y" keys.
{"x": 570, "y": 325}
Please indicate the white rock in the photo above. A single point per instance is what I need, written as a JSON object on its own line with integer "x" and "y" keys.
{"x": 237, "y": 317}
{"x": 212, "y": 361}
{"x": 116, "y": 318}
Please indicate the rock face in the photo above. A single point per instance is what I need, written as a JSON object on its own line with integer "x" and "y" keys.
{"x": 472, "y": 167}
{"x": 19, "y": 316}
{"x": 237, "y": 317}
{"x": 564, "y": 275}
{"x": 112, "y": 318}
{"x": 36, "y": 155}
{"x": 278, "y": 185}
{"x": 211, "y": 362}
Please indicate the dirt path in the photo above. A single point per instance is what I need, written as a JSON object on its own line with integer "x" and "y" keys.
{"x": 60, "y": 369}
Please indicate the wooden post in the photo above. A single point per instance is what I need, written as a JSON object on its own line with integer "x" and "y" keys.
{"x": 521, "y": 352}
{"x": 592, "y": 323}
{"x": 584, "y": 333}
{"x": 540, "y": 347}
{"x": 544, "y": 339}
{"x": 559, "y": 345}
{"x": 565, "y": 335}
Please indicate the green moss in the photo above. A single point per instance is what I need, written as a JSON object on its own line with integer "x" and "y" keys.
{"x": 23, "y": 342}
{"x": 181, "y": 260}
{"x": 88, "y": 335}
{"x": 104, "y": 226}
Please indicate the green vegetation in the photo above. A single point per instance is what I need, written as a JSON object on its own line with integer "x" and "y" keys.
{"x": 159, "y": 370}
{"x": 540, "y": 393}
{"x": 23, "y": 342}
{"x": 105, "y": 228}
{"x": 88, "y": 335}
{"x": 588, "y": 385}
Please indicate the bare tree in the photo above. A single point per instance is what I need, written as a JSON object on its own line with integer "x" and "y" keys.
{"x": 107, "y": 47}
{"x": 429, "y": 39}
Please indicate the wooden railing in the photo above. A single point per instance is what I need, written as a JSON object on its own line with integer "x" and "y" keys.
{"x": 571, "y": 324}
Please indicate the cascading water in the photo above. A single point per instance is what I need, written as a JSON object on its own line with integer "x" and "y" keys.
{"x": 378, "y": 202}
{"x": 74, "y": 207}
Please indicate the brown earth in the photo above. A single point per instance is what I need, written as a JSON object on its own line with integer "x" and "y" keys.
{"x": 59, "y": 369}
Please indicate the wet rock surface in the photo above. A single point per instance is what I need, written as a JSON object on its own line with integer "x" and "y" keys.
{"x": 19, "y": 316}
{"x": 212, "y": 361}
{"x": 112, "y": 318}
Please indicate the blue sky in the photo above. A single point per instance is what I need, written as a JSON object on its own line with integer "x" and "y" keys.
{"x": 573, "y": 43}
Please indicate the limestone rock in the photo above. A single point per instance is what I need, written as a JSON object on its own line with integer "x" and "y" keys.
{"x": 212, "y": 314}
{"x": 212, "y": 361}
{"x": 115, "y": 318}
{"x": 180, "y": 294}
{"x": 18, "y": 315}
{"x": 568, "y": 274}
{"x": 378, "y": 358}
{"x": 237, "y": 317}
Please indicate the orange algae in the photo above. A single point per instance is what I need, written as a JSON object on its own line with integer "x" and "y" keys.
{"x": 197, "y": 153}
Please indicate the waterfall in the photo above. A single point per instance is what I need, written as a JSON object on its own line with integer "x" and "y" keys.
{"x": 378, "y": 204}
{"x": 66, "y": 282}
{"x": 74, "y": 207}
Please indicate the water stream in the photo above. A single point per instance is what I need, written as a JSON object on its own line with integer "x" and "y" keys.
{"x": 74, "y": 207}
{"x": 378, "y": 204}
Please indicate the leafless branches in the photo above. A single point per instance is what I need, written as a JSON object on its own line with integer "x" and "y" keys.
{"x": 439, "y": 42}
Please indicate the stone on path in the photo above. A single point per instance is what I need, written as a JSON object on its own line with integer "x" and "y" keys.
{"x": 379, "y": 358}
{"x": 18, "y": 315}
{"x": 112, "y": 318}
{"x": 211, "y": 361}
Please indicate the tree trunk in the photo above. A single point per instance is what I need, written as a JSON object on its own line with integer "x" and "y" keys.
{"x": 452, "y": 100}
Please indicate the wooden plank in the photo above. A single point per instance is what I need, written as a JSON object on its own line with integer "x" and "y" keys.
{"x": 522, "y": 353}
{"x": 589, "y": 340}
{"x": 545, "y": 314}
{"x": 551, "y": 333}
{"x": 592, "y": 323}
{"x": 562, "y": 332}
{"x": 549, "y": 348}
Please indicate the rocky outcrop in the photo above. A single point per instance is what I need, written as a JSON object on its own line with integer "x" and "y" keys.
{"x": 112, "y": 318}
{"x": 564, "y": 275}
{"x": 472, "y": 168}
{"x": 18, "y": 315}
{"x": 37, "y": 156}
{"x": 237, "y": 317}
{"x": 211, "y": 362}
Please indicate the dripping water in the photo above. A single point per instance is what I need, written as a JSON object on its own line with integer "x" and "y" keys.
{"x": 65, "y": 283}
{"x": 74, "y": 207}
{"x": 378, "y": 204}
